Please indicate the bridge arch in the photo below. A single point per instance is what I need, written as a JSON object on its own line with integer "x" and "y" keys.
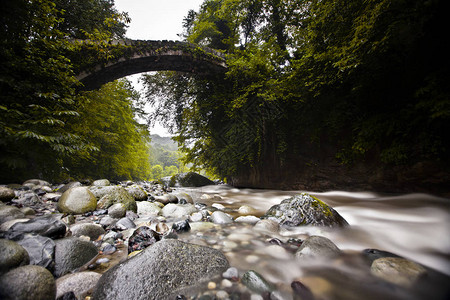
{"x": 146, "y": 56}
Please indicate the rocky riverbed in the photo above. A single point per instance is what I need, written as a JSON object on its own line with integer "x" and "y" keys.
{"x": 148, "y": 241}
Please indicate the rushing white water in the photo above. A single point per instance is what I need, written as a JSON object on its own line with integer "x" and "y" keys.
{"x": 415, "y": 226}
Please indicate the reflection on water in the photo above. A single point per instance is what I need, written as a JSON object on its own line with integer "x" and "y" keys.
{"x": 415, "y": 226}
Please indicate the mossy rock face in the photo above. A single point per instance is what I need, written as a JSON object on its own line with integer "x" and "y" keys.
{"x": 77, "y": 200}
{"x": 190, "y": 179}
{"x": 118, "y": 195}
{"x": 304, "y": 209}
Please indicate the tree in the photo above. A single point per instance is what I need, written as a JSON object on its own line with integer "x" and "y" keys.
{"x": 157, "y": 172}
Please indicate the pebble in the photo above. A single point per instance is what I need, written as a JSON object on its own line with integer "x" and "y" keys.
{"x": 251, "y": 259}
{"x": 247, "y": 219}
{"x": 222, "y": 295}
{"x": 212, "y": 285}
{"x": 218, "y": 206}
{"x": 225, "y": 283}
{"x": 219, "y": 217}
{"x": 231, "y": 273}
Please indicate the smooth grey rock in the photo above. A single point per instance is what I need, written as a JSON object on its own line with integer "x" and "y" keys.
{"x": 93, "y": 231}
{"x": 28, "y": 283}
{"x": 78, "y": 200}
{"x": 12, "y": 255}
{"x": 72, "y": 253}
{"x": 137, "y": 192}
{"x": 304, "y": 209}
{"x": 40, "y": 249}
{"x": 68, "y": 186}
{"x": 79, "y": 283}
{"x": 117, "y": 195}
{"x": 220, "y": 217}
{"x": 167, "y": 198}
{"x": 247, "y": 219}
{"x": 8, "y": 224}
{"x": 8, "y": 213}
{"x": 397, "y": 270}
{"x": 6, "y": 194}
{"x": 100, "y": 191}
{"x": 101, "y": 182}
{"x": 267, "y": 225}
{"x": 317, "y": 247}
{"x": 124, "y": 224}
{"x": 178, "y": 211}
{"x": 184, "y": 196}
{"x": 27, "y": 198}
{"x": 37, "y": 182}
{"x": 162, "y": 271}
{"x": 106, "y": 221}
{"x": 231, "y": 273}
{"x": 256, "y": 283}
{"x": 48, "y": 225}
{"x": 145, "y": 208}
{"x": 117, "y": 210}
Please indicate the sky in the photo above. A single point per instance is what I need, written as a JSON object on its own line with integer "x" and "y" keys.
{"x": 155, "y": 20}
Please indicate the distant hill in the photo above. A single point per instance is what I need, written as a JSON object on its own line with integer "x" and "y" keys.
{"x": 165, "y": 142}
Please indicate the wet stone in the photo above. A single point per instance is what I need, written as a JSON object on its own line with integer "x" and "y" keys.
{"x": 49, "y": 225}
{"x": 93, "y": 231}
{"x": 181, "y": 226}
{"x": 109, "y": 249}
{"x": 219, "y": 217}
{"x": 256, "y": 283}
{"x": 6, "y": 194}
{"x": 72, "y": 253}
{"x": 124, "y": 224}
{"x": 397, "y": 270}
{"x": 40, "y": 249}
{"x": 317, "y": 247}
{"x": 8, "y": 213}
{"x": 142, "y": 238}
{"x": 117, "y": 210}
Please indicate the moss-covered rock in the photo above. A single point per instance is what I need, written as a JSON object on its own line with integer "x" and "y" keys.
{"x": 118, "y": 195}
{"x": 304, "y": 209}
{"x": 190, "y": 179}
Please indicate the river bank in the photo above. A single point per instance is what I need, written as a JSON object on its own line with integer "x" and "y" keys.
{"x": 413, "y": 226}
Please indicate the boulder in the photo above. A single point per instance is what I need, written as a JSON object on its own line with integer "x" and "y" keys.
{"x": 78, "y": 200}
{"x": 100, "y": 191}
{"x": 40, "y": 249}
{"x": 190, "y": 179}
{"x": 6, "y": 194}
{"x": 137, "y": 192}
{"x": 167, "y": 198}
{"x": 8, "y": 213}
{"x": 48, "y": 225}
{"x": 72, "y": 253}
{"x": 79, "y": 283}
{"x": 117, "y": 195}
{"x": 162, "y": 271}
{"x": 147, "y": 208}
{"x": 304, "y": 209}
{"x": 177, "y": 211}
{"x": 317, "y": 247}
{"x": 397, "y": 270}
{"x": 117, "y": 210}
{"x": 220, "y": 217}
{"x": 12, "y": 255}
{"x": 101, "y": 182}
{"x": 93, "y": 231}
{"x": 28, "y": 283}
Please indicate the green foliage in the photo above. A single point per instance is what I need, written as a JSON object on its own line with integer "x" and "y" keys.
{"x": 157, "y": 172}
{"x": 46, "y": 129}
{"x": 363, "y": 79}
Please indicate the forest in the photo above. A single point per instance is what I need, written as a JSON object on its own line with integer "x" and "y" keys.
{"x": 318, "y": 94}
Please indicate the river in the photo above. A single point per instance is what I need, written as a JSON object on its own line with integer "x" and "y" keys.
{"x": 415, "y": 226}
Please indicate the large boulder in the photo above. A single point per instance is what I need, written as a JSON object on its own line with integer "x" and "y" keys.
{"x": 118, "y": 195}
{"x": 190, "y": 179}
{"x": 72, "y": 253}
{"x": 304, "y": 209}
{"x": 28, "y": 283}
{"x": 137, "y": 192}
{"x": 12, "y": 255}
{"x": 162, "y": 271}
{"x": 48, "y": 225}
{"x": 6, "y": 194}
{"x": 77, "y": 200}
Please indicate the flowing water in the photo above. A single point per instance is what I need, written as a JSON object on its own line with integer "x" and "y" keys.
{"x": 414, "y": 226}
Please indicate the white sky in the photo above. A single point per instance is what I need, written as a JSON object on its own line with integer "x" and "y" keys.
{"x": 155, "y": 20}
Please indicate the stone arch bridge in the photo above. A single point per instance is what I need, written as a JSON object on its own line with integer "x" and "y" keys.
{"x": 134, "y": 56}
